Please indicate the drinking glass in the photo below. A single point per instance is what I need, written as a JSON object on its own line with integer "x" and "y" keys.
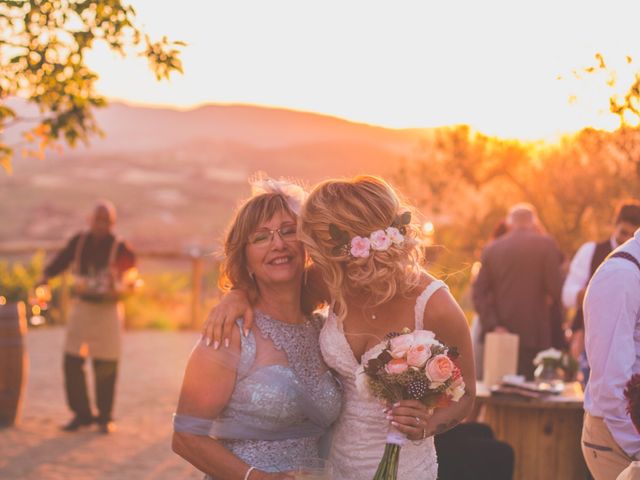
{"x": 314, "y": 469}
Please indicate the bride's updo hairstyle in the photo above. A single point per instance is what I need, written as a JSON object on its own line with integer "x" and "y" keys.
{"x": 358, "y": 207}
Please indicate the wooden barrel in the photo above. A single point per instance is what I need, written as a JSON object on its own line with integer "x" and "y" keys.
{"x": 13, "y": 362}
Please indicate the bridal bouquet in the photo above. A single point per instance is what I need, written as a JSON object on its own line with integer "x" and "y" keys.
{"x": 409, "y": 366}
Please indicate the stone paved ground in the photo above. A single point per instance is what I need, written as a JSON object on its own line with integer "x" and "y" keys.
{"x": 150, "y": 376}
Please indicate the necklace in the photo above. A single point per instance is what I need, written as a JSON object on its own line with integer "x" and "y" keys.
{"x": 371, "y": 315}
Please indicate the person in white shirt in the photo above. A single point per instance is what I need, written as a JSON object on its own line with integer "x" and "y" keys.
{"x": 584, "y": 264}
{"x": 612, "y": 340}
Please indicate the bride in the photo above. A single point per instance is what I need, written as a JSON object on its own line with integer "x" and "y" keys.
{"x": 372, "y": 276}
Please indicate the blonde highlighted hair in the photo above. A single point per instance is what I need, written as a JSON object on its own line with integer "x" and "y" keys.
{"x": 234, "y": 272}
{"x": 360, "y": 206}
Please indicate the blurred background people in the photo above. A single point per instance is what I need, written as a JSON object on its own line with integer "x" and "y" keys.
{"x": 518, "y": 283}
{"x": 584, "y": 264}
{"x": 98, "y": 260}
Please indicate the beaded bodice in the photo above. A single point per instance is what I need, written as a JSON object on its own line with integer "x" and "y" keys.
{"x": 291, "y": 404}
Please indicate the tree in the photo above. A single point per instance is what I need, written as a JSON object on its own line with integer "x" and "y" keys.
{"x": 42, "y": 58}
{"x": 625, "y": 106}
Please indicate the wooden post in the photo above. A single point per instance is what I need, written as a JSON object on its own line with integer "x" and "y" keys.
{"x": 197, "y": 269}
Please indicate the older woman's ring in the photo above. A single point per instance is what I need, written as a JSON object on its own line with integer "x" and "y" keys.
{"x": 417, "y": 420}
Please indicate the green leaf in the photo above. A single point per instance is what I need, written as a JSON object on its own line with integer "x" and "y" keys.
{"x": 405, "y": 218}
{"x": 339, "y": 250}
{"x": 335, "y": 232}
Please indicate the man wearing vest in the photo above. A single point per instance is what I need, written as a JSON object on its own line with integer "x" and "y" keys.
{"x": 610, "y": 441}
{"x": 98, "y": 260}
{"x": 584, "y": 264}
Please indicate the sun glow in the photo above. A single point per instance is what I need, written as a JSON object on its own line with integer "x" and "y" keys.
{"x": 505, "y": 68}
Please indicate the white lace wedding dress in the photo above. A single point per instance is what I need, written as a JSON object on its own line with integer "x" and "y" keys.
{"x": 359, "y": 435}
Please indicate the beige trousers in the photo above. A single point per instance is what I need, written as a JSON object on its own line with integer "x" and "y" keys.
{"x": 605, "y": 459}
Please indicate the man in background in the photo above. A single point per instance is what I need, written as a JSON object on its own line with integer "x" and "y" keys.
{"x": 610, "y": 441}
{"x": 98, "y": 261}
{"x": 584, "y": 264}
{"x": 519, "y": 281}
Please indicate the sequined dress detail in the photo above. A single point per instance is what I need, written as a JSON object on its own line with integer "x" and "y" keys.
{"x": 302, "y": 397}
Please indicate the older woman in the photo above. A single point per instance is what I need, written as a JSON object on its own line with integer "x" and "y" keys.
{"x": 260, "y": 406}
{"x": 376, "y": 285}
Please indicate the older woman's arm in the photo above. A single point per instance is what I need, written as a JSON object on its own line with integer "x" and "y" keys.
{"x": 207, "y": 386}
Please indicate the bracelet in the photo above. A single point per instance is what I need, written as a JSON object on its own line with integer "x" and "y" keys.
{"x": 246, "y": 475}
{"x": 419, "y": 442}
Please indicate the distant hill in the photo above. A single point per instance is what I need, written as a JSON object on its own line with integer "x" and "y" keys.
{"x": 176, "y": 176}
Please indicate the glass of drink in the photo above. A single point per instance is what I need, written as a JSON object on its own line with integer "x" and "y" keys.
{"x": 314, "y": 469}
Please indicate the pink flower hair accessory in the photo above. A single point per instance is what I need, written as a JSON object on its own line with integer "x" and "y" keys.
{"x": 379, "y": 240}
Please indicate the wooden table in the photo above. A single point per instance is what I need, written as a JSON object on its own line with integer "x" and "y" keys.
{"x": 545, "y": 434}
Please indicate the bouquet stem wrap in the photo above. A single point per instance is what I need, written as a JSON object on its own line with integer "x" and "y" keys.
{"x": 388, "y": 466}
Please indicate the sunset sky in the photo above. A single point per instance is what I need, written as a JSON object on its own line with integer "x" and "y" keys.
{"x": 492, "y": 64}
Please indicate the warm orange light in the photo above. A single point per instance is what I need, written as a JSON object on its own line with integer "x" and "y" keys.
{"x": 3, "y": 300}
{"x": 43, "y": 293}
{"x": 428, "y": 228}
{"x": 36, "y": 310}
{"x": 475, "y": 269}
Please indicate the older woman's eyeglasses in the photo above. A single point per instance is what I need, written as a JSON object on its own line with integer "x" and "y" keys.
{"x": 264, "y": 236}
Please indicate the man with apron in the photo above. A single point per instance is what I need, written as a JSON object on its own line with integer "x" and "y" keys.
{"x": 98, "y": 260}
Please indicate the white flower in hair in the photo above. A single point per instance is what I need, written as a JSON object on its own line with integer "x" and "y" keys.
{"x": 394, "y": 234}
{"x": 294, "y": 193}
{"x": 380, "y": 240}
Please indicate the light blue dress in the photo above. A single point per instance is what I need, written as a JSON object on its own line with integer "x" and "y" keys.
{"x": 277, "y": 414}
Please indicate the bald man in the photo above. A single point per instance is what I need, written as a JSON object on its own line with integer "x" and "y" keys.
{"x": 98, "y": 260}
{"x": 519, "y": 281}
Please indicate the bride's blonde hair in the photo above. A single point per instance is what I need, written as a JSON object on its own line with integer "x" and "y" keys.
{"x": 360, "y": 206}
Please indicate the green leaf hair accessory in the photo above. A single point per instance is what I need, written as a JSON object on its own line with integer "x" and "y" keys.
{"x": 401, "y": 222}
{"x": 341, "y": 238}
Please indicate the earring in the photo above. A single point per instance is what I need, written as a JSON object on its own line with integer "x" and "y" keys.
{"x": 252, "y": 276}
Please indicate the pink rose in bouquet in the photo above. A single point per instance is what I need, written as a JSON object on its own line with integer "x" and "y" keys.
{"x": 397, "y": 366}
{"x": 439, "y": 369}
{"x": 418, "y": 355}
{"x": 400, "y": 345}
